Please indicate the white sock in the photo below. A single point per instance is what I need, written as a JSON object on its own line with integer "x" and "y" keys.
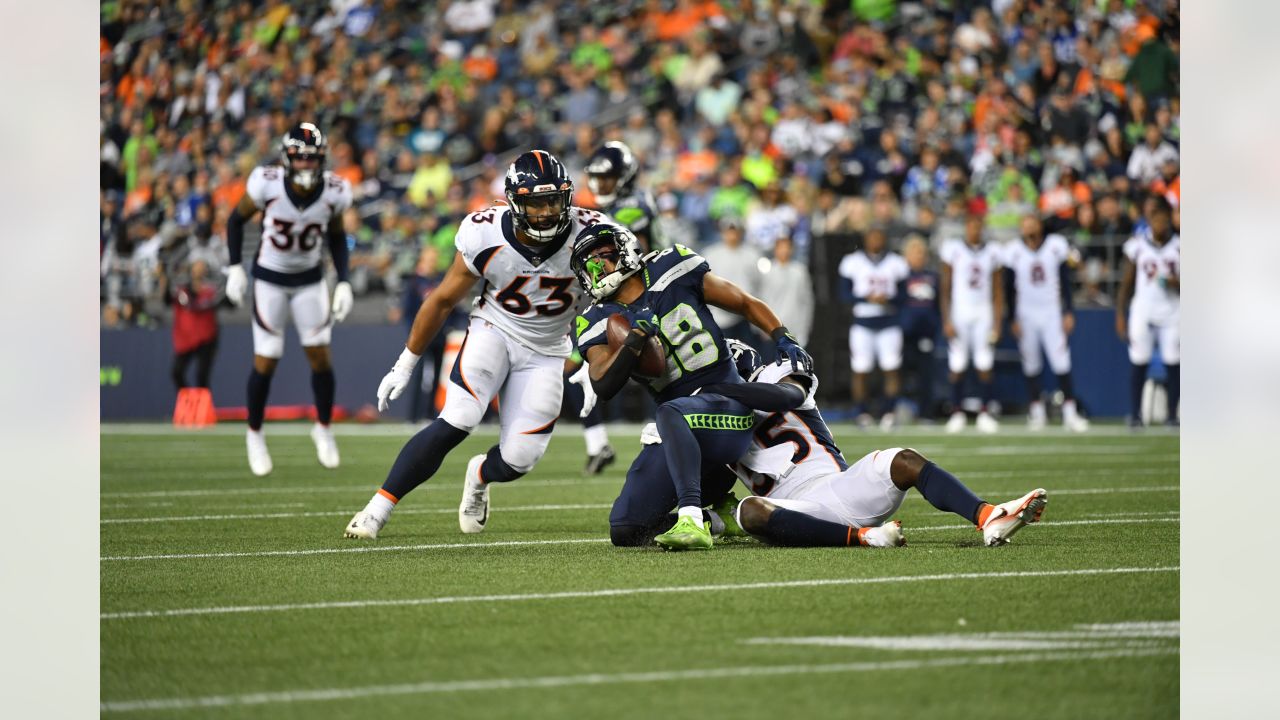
{"x": 380, "y": 506}
{"x": 693, "y": 512}
{"x": 597, "y": 437}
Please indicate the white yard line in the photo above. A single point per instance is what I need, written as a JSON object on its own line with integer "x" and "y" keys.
{"x": 823, "y": 582}
{"x": 908, "y": 529}
{"x": 494, "y": 684}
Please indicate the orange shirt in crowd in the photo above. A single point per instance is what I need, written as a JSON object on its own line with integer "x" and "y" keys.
{"x": 683, "y": 19}
{"x": 351, "y": 172}
{"x": 689, "y": 165}
{"x": 226, "y": 196}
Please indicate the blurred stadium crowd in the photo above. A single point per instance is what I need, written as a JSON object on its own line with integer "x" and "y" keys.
{"x": 790, "y": 119}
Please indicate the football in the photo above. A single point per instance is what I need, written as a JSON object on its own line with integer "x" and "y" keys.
{"x": 653, "y": 360}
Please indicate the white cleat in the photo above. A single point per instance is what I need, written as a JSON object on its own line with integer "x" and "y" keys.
{"x": 326, "y": 446}
{"x": 1008, "y": 518}
{"x": 473, "y": 513}
{"x": 1036, "y": 416}
{"x": 364, "y": 526}
{"x": 987, "y": 424}
{"x": 259, "y": 456}
{"x": 1071, "y": 419}
{"x": 956, "y": 422}
{"x": 886, "y": 535}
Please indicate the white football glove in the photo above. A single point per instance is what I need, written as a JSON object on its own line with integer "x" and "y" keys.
{"x": 582, "y": 377}
{"x": 342, "y": 301}
{"x": 394, "y": 383}
{"x": 237, "y": 283}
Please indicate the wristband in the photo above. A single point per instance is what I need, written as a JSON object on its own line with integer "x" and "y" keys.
{"x": 635, "y": 341}
{"x": 408, "y": 359}
{"x": 780, "y": 332}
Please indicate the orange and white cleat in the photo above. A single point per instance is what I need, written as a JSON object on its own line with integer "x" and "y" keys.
{"x": 886, "y": 535}
{"x": 1008, "y": 518}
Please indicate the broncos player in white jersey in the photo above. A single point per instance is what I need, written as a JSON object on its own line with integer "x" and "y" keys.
{"x": 515, "y": 347}
{"x": 301, "y": 205}
{"x": 804, "y": 493}
{"x": 972, "y": 300}
{"x": 1038, "y": 287}
{"x": 1152, "y": 278}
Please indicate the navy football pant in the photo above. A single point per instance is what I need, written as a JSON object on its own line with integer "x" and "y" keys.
{"x": 721, "y": 433}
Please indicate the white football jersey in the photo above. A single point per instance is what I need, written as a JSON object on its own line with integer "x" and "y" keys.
{"x": 530, "y": 293}
{"x": 873, "y": 277}
{"x": 790, "y": 450}
{"x": 1154, "y": 264}
{"x": 1035, "y": 273}
{"x": 971, "y": 270}
{"x": 293, "y": 237}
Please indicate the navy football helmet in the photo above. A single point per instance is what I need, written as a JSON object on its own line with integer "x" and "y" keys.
{"x": 303, "y": 142}
{"x": 595, "y": 280}
{"x": 745, "y": 358}
{"x": 538, "y": 179}
{"x": 610, "y": 171}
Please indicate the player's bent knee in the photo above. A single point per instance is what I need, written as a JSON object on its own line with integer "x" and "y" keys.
{"x": 464, "y": 415}
{"x": 522, "y": 456}
{"x": 906, "y": 467}
{"x": 753, "y": 514}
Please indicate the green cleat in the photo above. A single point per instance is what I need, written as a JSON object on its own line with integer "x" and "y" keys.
{"x": 685, "y": 535}
{"x": 724, "y": 510}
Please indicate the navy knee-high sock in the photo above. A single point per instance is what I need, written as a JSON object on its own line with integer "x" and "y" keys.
{"x": 988, "y": 392}
{"x": 495, "y": 469}
{"x": 1173, "y": 386}
{"x": 1065, "y": 385}
{"x": 259, "y": 386}
{"x": 1137, "y": 379}
{"x": 789, "y": 527}
{"x": 957, "y": 387}
{"x": 420, "y": 458}
{"x": 322, "y": 384}
{"x": 684, "y": 457}
{"x": 1033, "y": 387}
{"x": 945, "y": 492}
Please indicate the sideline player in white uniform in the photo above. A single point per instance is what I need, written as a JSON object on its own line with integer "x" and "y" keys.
{"x": 1038, "y": 284}
{"x": 1152, "y": 273}
{"x": 301, "y": 204}
{"x": 972, "y": 300}
{"x": 873, "y": 284}
{"x": 804, "y": 493}
{"x": 516, "y": 343}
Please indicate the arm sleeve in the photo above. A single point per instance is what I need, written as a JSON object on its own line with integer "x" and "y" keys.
{"x": 338, "y": 248}
{"x": 235, "y": 237}
{"x": 768, "y": 397}
{"x": 620, "y": 371}
{"x": 1064, "y": 286}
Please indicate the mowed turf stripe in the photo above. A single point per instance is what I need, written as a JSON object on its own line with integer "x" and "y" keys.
{"x": 492, "y": 684}
{"x": 529, "y": 508}
{"x": 356, "y": 547}
{"x": 615, "y": 592}
{"x": 330, "y": 513}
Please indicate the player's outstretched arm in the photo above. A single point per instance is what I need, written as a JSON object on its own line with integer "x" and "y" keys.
{"x": 1129, "y": 276}
{"x": 431, "y": 316}
{"x": 237, "y": 279}
{"x": 723, "y": 294}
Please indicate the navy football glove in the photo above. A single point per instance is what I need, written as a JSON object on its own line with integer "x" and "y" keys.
{"x": 643, "y": 319}
{"x": 790, "y": 350}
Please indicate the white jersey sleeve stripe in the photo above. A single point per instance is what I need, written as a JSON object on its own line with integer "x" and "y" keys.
{"x": 676, "y": 273}
{"x": 593, "y": 331}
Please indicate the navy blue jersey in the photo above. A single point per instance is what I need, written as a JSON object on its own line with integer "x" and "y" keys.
{"x": 694, "y": 344}
{"x": 920, "y": 314}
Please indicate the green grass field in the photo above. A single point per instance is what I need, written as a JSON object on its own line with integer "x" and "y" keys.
{"x": 225, "y": 595}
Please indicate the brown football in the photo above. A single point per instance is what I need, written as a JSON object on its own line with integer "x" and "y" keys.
{"x": 653, "y": 361}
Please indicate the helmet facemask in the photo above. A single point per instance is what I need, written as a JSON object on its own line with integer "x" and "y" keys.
{"x": 304, "y": 142}
{"x": 542, "y": 225}
{"x": 595, "y": 248}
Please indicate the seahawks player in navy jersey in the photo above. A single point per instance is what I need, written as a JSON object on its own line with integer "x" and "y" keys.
{"x": 611, "y": 175}
{"x": 666, "y": 294}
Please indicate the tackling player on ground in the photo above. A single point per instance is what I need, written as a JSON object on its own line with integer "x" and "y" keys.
{"x": 301, "y": 205}
{"x": 804, "y": 493}
{"x": 515, "y": 347}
